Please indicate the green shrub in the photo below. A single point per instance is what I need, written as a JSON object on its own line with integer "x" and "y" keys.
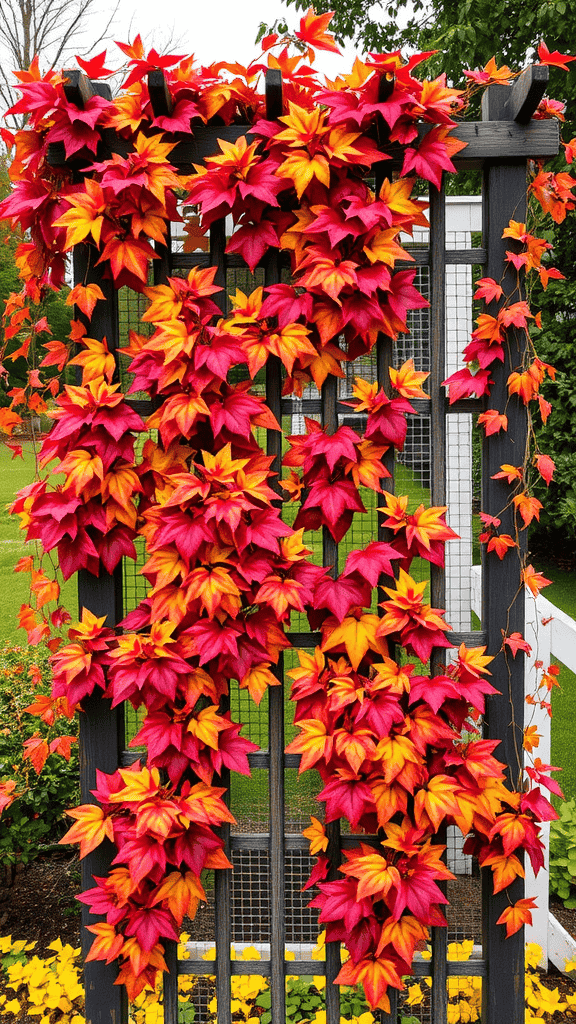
{"x": 35, "y": 819}
{"x": 563, "y": 854}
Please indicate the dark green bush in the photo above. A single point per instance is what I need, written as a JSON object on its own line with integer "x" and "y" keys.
{"x": 563, "y": 854}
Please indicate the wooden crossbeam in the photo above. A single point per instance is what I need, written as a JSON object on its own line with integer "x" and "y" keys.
{"x": 485, "y": 141}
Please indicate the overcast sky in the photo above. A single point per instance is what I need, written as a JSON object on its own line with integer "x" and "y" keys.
{"x": 211, "y": 29}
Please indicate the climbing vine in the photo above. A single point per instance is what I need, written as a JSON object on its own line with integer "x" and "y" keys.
{"x": 400, "y": 753}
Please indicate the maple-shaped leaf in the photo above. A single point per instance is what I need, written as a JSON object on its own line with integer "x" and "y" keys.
{"x": 90, "y": 828}
{"x": 63, "y": 745}
{"x": 553, "y": 59}
{"x": 528, "y": 507}
{"x": 372, "y": 561}
{"x": 340, "y": 595}
{"x": 489, "y": 289}
{"x": 433, "y": 155}
{"x": 463, "y": 383}
{"x": 516, "y": 642}
{"x": 493, "y": 421}
{"x": 375, "y": 876}
{"x": 95, "y": 67}
{"x": 257, "y": 680}
{"x": 252, "y": 240}
{"x": 131, "y": 254}
{"x": 436, "y": 801}
{"x": 535, "y": 581}
{"x": 313, "y": 744}
{"x": 107, "y": 944}
{"x": 313, "y": 32}
{"x": 316, "y": 833}
{"x": 332, "y": 503}
{"x": 545, "y": 466}
{"x": 406, "y": 380}
{"x": 509, "y": 473}
{"x": 490, "y": 74}
{"x": 347, "y": 796}
{"x": 375, "y": 974}
{"x": 85, "y": 297}
{"x": 180, "y": 893}
{"x": 520, "y": 913}
{"x": 357, "y": 634}
{"x": 36, "y": 750}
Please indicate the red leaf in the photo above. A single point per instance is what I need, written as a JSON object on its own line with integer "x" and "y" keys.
{"x": 36, "y": 750}
{"x": 493, "y": 421}
{"x": 516, "y": 642}
{"x": 372, "y": 561}
{"x": 554, "y": 59}
{"x": 545, "y": 466}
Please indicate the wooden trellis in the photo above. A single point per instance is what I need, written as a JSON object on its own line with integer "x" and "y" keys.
{"x": 499, "y": 145}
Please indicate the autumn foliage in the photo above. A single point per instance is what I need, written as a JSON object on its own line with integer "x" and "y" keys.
{"x": 400, "y": 754}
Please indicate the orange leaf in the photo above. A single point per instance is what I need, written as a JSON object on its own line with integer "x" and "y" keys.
{"x": 90, "y": 829}
{"x": 517, "y": 915}
{"x": 493, "y": 421}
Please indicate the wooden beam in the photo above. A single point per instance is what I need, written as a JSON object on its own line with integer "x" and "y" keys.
{"x": 159, "y": 93}
{"x": 526, "y": 93}
{"x": 78, "y": 88}
{"x": 496, "y": 140}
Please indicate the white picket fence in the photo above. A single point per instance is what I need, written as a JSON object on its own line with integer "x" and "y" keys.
{"x": 551, "y": 634}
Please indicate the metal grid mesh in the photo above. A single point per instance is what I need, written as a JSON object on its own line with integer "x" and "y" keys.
{"x": 250, "y": 884}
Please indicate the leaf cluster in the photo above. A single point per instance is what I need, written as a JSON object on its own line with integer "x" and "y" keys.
{"x": 563, "y": 854}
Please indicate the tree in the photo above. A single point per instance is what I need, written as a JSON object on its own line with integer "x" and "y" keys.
{"x": 465, "y": 32}
{"x": 49, "y": 29}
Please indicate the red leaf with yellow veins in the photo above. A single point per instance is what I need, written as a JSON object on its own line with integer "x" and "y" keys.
{"x": 375, "y": 974}
{"x": 131, "y": 254}
{"x": 375, "y": 876}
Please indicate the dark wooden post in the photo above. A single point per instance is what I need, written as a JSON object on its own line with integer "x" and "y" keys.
{"x": 503, "y": 592}
{"x": 101, "y": 727}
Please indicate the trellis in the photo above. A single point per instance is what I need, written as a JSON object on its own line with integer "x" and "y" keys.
{"x": 500, "y": 145}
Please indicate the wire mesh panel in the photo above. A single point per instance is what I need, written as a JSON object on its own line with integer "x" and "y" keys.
{"x": 258, "y": 937}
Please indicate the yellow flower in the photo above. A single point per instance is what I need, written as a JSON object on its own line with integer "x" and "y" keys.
{"x": 533, "y": 955}
{"x": 415, "y": 995}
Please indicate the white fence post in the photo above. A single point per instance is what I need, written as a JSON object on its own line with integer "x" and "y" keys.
{"x": 538, "y": 634}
